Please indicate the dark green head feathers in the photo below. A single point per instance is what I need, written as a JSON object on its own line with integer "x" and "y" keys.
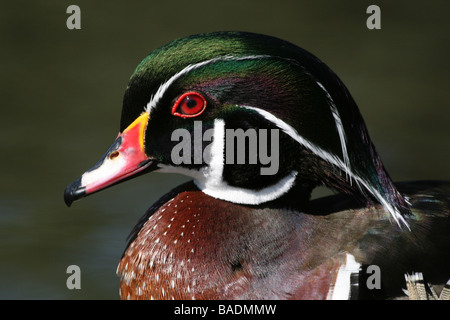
{"x": 256, "y": 81}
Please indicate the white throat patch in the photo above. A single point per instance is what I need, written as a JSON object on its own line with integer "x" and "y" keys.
{"x": 209, "y": 179}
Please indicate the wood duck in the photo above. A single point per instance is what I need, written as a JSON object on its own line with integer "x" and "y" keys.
{"x": 258, "y": 123}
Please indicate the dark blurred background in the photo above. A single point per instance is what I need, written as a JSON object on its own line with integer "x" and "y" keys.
{"x": 61, "y": 93}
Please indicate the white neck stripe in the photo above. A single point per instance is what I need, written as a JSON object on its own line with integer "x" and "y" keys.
{"x": 211, "y": 181}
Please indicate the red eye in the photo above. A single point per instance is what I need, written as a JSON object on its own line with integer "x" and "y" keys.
{"x": 190, "y": 104}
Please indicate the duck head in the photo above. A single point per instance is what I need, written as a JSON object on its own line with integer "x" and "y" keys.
{"x": 250, "y": 117}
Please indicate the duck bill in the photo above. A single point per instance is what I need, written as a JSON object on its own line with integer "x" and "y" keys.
{"x": 125, "y": 159}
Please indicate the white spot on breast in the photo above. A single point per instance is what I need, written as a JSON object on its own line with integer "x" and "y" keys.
{"x": 342, "y": 287}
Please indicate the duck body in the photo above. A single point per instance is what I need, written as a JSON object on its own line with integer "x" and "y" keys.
{"x": 245, "y": 227}
{"x": 189, "y": 246}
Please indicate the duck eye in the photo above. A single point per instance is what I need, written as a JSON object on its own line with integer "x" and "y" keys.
{"x": 190, "y": 104}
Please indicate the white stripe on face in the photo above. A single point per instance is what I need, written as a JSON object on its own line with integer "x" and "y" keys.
{"x": 163, "y": 88}
{"x": 339, "y": 127}
{"x": 333, "y": 160}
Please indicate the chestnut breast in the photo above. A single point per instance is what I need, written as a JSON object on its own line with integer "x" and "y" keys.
{"x": 198, "y": 247}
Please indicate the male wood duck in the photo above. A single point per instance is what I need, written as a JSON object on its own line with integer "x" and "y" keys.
{"x": 245, "y": 227}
